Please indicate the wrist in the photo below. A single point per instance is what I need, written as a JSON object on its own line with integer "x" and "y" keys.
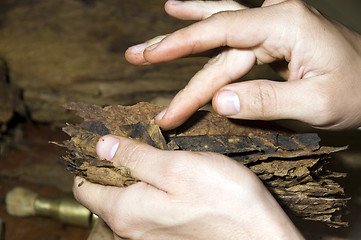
{"x": 271, "y": 222}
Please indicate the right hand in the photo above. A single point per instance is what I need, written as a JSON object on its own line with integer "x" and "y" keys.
{"x": 323, "y": 87}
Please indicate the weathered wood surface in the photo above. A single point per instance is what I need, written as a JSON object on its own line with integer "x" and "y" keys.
{"x": 10, "y": 101}
{"x": 292, "y": 166}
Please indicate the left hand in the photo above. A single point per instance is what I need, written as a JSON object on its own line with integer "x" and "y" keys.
{"x": 183, "y": 195}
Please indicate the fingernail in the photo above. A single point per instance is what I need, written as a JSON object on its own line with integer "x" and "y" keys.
{"x": 161, "y": 115}
{"x": 152, "y": 47}
{"x": 228, "y": 103}
{"x": 138, "y": 48}
{"x": 107, "y": 147}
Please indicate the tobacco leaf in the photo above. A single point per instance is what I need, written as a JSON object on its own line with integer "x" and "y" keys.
{"x": 258, "y": 147}
{"x": 292, "y": 166}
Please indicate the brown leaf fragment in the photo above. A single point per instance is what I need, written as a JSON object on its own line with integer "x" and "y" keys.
{"x": 113, "y": 176}
{"x": 224, "y": 144}
{"x": 286, "y": 169}
{"x": 148, "y": 133}
{"x": 289, "y": 154}
{"x": 292, "y": 166}
{"x": 82, "y": 142}
{"x": 325, "y": 204}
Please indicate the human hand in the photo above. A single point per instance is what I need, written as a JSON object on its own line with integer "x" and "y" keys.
{"x": 324, "y": 63}
{"x": 183, "y": 195}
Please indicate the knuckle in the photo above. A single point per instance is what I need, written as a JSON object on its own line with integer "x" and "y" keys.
{"x": 114, "y": 217}
{"x": 220, "y": 16}
{"x": 224, "y": 19}
{"x": 178, "y": 172}
{"x": 264, "y": 100}
{"x": 325, "y": 109}
{"x": 298, "y": 8}
{"x": 176, "y": 168}
{"x": 297, "y": 15}
{"x": 132, "y": 153}
{"x": 197, "y": 44}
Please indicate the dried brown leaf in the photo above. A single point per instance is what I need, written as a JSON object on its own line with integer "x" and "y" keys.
{"x": 292, "y": 166}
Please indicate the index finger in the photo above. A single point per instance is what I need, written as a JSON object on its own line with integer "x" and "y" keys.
{"x": 243, "y": 29}
{"x": 186, "y": 10}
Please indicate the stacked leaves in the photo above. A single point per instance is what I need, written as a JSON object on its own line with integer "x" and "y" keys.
{"x": 292, "y": 166}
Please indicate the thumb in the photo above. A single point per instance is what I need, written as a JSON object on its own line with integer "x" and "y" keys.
{"x": 145, "y": 162}
{"x": 270, "y": 100}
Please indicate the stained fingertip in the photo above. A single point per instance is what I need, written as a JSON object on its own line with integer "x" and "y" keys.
{"x": 136, "y": 58}
{"x": 93, "y": 196}
{"x": 78, "y": 187}
{"x": 78, "y": 181}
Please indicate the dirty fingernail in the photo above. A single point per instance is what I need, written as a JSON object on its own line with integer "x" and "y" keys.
{"x": 228, "y": 103}
{"x": 107, "y": 147}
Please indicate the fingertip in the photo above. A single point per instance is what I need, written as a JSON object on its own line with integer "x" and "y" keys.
{"x": 160, "y": 115}
{"x": 171, "y": 120}
{"x": 165, "y": 125}
{"x": 181, "y": 108}
{"x": 226, "y": 103}
{"x": 78, "y": 182}
{"x": 137, "y": 48}
{"x": 171, "y": 3}
{"x": 93, "y": 196}
{"x": 79, "y": 186}
{"x": 134, "y": 55}
{"x": 171, "y": 8}
{"x": 107, "y": 147}
{"x": 163, "y": 120}
{"x": 78, "y": 179}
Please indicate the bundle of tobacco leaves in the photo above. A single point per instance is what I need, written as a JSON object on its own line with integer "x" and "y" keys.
{"x": 292, "y": 166}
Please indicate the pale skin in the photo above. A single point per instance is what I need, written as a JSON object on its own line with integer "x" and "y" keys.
{"x": 184, "y": 195}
